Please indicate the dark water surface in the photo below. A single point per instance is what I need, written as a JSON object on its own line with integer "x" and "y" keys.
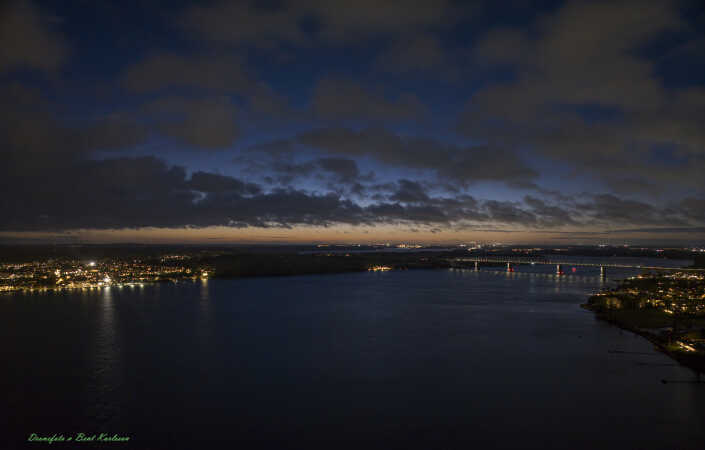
{"x": 411, "y": 359}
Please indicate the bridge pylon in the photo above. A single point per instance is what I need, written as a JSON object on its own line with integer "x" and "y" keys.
{"x": 559, "y": 269}
{"x": 477, "y": 266}
{"x": 603, "y": 272}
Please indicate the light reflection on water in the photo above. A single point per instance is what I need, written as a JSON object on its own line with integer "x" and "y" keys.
{"x": 106, "y": 368}
{"x": 204, "y": 313}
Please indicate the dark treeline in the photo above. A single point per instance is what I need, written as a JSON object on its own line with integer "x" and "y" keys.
{"x": 257, "y": 264}
{"x": 699, "y": 261}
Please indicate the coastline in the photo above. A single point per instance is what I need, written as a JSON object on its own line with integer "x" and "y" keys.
{"x": 692, "y": 362}
{"x": 333, "y": 270}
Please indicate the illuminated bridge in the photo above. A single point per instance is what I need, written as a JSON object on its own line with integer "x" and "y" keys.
{"x": 509, "y": 261}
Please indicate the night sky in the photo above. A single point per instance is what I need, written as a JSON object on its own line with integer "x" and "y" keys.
{"x": 352, "y": 121}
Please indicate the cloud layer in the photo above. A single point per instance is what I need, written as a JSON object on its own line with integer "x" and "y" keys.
{"x": 577, "y": 118}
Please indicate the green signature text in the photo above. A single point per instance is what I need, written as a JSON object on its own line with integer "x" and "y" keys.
{"x": 78, "y": 437}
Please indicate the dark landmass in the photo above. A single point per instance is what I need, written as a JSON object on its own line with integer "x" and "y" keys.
{"x": 253, "y": 264}
{"x": 668, "y": 310}
{"x": 18, "y": 253}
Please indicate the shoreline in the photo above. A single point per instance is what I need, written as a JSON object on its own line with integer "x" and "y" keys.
{"x": 690, "y": 361}
{"x": 273, "y": 274}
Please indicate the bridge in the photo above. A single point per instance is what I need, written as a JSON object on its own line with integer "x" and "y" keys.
{"x": 560, "y": 263}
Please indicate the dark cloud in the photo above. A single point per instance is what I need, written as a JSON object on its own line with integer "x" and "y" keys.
{"x": 146, "y": 191}
{"x": 454, "y": 167}
{"x": 345, "y": 170}
{"x": 287, "y": 172}
{"x": 344, "y": 99}
{"x": 139, "y": 192}
{"x": 241, "y": 22}
{"x": 252, "y": 22}
{"x": 423, "y": 55}
{"x": 215, "y": 183}
{"x": 550, "y": 214}
{"x": 29, "y": 39}
{"x": 209, "y": 75}
{"x": 167, "y": 70}
{"x": 116, "y": 131}
{"x": 202, "y": 123}
{"x": 410, "y": 192}
{"x": 397, "y": 213}
{"x": 363, "y": 18}
{"x": 509, "y": 212}
{"x": 590, "y": 99}
{"x": 31, "y": 136}
{"x": 609, "y": 208}
{"x": 277, "y": 147}
{"x": 694, "y": 208}
{"x": 335, "y": 170}
{"x": 668, "y": 230}
{"x": 31, "y": 126}
{"x": 463, "y": 165}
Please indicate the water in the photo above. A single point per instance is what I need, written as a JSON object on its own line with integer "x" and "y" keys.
{"x": 410, "y": 359}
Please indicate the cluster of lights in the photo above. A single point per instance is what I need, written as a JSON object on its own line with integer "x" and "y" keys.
{"x": 678, "y": 295}
{"x": 67, "y": 274}
{"x": 686, "y": 347}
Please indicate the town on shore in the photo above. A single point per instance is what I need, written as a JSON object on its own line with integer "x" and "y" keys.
{"x": 667, "y": 309}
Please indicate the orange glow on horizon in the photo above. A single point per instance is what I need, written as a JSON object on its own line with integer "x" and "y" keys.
{"x": 341, "y": 234}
